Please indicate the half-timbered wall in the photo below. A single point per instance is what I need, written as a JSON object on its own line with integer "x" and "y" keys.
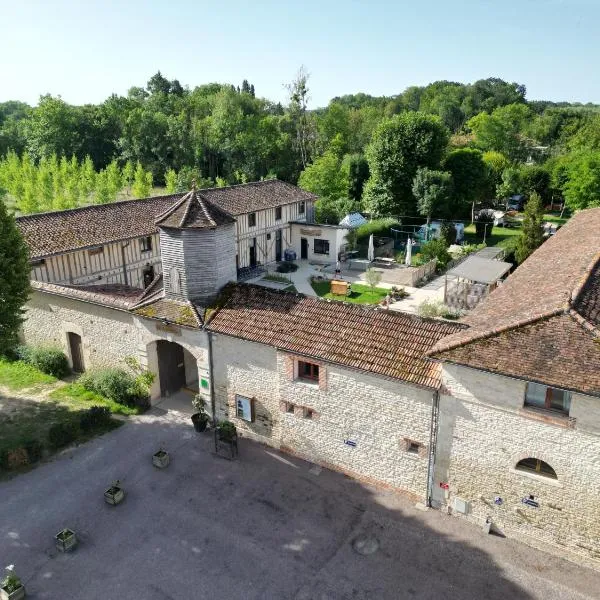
{"x": 118, "y": 262}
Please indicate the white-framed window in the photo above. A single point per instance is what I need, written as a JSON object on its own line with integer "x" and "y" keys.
{"x": 244, "y": 408}
{"x": 321, "y": 246}
{"x": 543, "y": 396}
{"x": 146, "y": 244}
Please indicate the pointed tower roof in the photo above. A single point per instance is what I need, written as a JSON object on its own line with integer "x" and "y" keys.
{"x": 193, "y": 211}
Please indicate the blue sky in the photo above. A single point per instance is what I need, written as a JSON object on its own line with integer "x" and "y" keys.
{"x": 88, "y": 49}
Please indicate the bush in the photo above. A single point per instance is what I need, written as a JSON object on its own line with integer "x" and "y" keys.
{"x": 51, "y": 361}
{"x": 116, "y": 385}
{"x": 287, "y": 267}
{"x": 436, "y": 249}
{"x": 376, "y": 227}
{"x": 22, "y": 353}
{"x": 61, "y": 434}
{"x": 437, "y": 309}
{"x": 93, "y": 417}
{"x": 34, "y": 449}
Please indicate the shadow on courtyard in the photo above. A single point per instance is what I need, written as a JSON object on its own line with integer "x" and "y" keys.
{"x": 264, "y": 526}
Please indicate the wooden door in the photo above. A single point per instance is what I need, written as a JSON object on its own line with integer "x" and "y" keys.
{"x": 303, "y": 248}
{"x": 171, "y": 367}
{"x": 76, "y": 352}
{"x": 278, "y": 245}
{"x": 253, "y": 253}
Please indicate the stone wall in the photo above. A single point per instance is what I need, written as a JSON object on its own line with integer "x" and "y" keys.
{"x": 372, "y": 428}
{"x": 107, "y": 335}
{"x": 484, "y": 431}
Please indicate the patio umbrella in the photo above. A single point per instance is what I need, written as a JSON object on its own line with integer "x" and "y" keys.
{"x": 408, "y": 258}
{"x": 371, "y": 251}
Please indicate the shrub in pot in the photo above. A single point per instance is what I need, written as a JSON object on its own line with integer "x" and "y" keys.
{"x": 65, "y": 540}
{"x": 227, "y": 431}
{"x": 11, "y": 587}
{"x": 115, "y": 493}
{"x": 200, "y": 418}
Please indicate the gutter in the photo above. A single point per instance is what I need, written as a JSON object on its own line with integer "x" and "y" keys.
{"x": 211, "y": 377}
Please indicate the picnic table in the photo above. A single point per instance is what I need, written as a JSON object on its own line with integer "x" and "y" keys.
{"x": 384, "y": 262}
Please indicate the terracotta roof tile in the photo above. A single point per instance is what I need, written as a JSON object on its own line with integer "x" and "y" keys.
{"x": 63, "y": 231}
{"x": 552, "y": 301}
{"x": 391, "y": 343}
{"x": 194, "y": 211}
{"x": 115, "y": 295}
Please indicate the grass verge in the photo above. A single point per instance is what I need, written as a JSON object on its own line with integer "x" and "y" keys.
{"x": 19, "y": 375}
{"x": 76, "y": 396}
{"x": 361, "y": 294}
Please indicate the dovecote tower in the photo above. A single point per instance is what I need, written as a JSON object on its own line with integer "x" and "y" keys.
{"x": 198, "y": 248}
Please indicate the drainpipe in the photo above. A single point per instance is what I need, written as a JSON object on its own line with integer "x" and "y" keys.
{"x": 435, "y": 410}
{"x": 211, "y": 378}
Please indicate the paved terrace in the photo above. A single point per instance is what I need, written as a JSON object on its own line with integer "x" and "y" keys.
{"x": 264, "y": 527}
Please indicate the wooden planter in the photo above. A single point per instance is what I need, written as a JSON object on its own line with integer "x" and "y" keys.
{"x": 114, "y": 495}
{"x": 65, "y": 540}
{"x": 16, "y": 595}
{"x": 161, "y": 459}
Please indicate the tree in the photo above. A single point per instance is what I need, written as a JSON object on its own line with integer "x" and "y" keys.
{"x": 128, "y": 173}
{"x": 495, "y": 163}
{"x": 358, "y": 174}
{"x": 399, "y": 147}
{"x": 582, "y": 186}
{"x": 532, "y": 233}
{"x": 470, "y": 177}
{"x": 158, "y": 84}
{"x": 142, "y": 182}
{"x": 14, "y": 279}
{"x": 536, "y": 179}
{"x": 373, "y": 277}
{"x": 171, "y": 181}
{"x": 298, "y": 91}
{"x": 433, "y": 191}
{"x": 326, "y": 176}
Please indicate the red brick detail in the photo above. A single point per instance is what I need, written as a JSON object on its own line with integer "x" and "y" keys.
{"x": 288, "y": 367}
{"x": 538, "y": 414}
{"x": 322, "y": 377}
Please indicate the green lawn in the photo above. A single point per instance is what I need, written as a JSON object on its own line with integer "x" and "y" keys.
{"x": 19, "y": 375}
{"x": 76, "y": 397}
{"x": 505, "y": 237}
{"x": 361, "y": 294}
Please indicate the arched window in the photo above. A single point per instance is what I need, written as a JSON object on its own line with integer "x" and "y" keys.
{"x": 537, "y": 466}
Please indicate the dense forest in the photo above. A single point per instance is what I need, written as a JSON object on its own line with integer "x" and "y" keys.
{"x": 434, "y": 151}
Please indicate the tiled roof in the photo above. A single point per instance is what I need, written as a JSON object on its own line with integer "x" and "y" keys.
{"x": 194, "y": 211}
{"x": 63, "y": 231}
{"x": 561, "y": 278}
{"x": 115, "y": 295}
{"x": 387, "y": 343}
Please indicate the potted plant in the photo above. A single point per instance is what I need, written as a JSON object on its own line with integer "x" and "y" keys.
{"x": 11, "y": 587}
{"x": 161, "y": 459}
{"x": 200, "y": 418}
{"x": 115, "y": 493}
{"x": 66, "y": 540}
{"x": 227, "y": 431}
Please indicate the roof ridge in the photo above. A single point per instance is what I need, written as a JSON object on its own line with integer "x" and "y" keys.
{"x": 589, "y": 327}
{"x": 171, "y": 209}
{"x": 202, "y": 202}
{"x": 578, "y": 289}
{"x": 92, "y": 206}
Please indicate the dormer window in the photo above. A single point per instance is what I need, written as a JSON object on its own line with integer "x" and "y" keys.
{"x": 146, "y": 244}
{"x": 543, "y": 396}
{"x": 252, "y": 220}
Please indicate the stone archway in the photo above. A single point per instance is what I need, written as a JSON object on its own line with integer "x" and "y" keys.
{"x": 177, "y": 368}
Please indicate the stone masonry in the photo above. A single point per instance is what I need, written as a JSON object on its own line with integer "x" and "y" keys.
{"x": 348, "y": 420}
{"x": 484, "y": 431}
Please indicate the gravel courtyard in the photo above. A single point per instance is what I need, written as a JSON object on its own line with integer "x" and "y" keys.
{"x": 266, "y": 526}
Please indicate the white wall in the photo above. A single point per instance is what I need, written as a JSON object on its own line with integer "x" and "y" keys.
{"x": 334, "y": 235}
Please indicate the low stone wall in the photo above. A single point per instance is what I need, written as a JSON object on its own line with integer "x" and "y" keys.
{"x": 408, "y": 276}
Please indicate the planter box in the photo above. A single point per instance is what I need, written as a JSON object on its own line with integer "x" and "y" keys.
{"x": 114, "y": 495}
{"x": 16, "y": 595}
{"x": 161, "y": 459}
{"x": 66, "y": 540}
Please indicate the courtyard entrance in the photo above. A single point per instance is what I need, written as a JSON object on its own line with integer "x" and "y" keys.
{"x": 176, "y": 368}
